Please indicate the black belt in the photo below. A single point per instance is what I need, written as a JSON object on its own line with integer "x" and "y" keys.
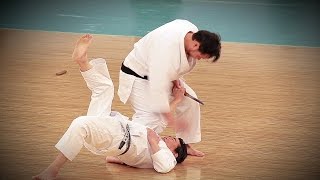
{"x": 127, "y": 70}
{"x": 126, "y": 139}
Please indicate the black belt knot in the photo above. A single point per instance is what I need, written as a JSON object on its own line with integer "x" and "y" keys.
{"x": 127, "y": 70}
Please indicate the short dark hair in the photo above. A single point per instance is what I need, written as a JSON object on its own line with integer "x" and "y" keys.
{"x": 210, "y": 43}
{"x": 182, "y": 151}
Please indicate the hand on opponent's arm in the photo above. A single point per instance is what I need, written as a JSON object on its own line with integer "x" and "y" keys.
{"x": 178, "y": 94}
{"x": 153, "y": 139}
{"x": 177, "y": 84}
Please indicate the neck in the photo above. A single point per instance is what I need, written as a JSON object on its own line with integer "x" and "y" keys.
{"x": 187, "y": 42}
{"x": 188, "y": 39}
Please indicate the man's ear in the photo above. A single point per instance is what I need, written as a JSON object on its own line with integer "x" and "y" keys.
{"x": 175, "y": 154}
{"x": 195, "y": 45}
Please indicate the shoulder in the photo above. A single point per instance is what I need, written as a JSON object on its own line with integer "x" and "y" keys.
{"x": 183, "y": 21}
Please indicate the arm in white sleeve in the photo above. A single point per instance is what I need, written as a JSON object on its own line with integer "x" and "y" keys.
{"x": 163, "y": 160}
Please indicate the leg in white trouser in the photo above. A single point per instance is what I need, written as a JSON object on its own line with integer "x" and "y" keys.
{"x": 84, "y": 130}
{"x": 73, "y": 139}
{"x": 87, "y": 130}
{"x": 140, "y": 101}
{"x": 101, "y": 135}
{"x": 189, "y": 111}
{"x": 99, "y": 82}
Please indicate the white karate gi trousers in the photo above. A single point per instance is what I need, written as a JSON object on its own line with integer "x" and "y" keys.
{"x": 188, "y": 110}
{"x": 98, "y": 131}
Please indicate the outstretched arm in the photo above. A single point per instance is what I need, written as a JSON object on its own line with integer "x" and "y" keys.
{"x": 178, "y": 94}
{"x": 111, "y": 159}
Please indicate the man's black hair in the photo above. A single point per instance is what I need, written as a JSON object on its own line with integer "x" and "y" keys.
{"x": 210, "y": 43}
{"x": 182, "y": 151}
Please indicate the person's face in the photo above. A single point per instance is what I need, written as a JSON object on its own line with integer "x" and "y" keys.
{"x": 198, "y": 55}
{"x": 171, "y": 142}
{"x": 192, "y": 50}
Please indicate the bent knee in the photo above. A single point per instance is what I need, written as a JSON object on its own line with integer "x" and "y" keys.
{"x": 79, "y": 122}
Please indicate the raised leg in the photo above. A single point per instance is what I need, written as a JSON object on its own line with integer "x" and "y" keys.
{"x": 80, "y": 57}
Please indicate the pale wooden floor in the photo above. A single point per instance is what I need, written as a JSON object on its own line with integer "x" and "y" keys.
{"x": 261, "y": 116}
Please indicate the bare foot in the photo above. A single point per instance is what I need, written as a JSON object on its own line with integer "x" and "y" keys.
{"x": 193, "y": 152}
{"x": 80, "y": 51}
{"x": 48, "y": 174}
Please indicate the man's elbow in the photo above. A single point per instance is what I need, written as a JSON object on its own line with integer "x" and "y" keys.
{"x": 164, "y": 169}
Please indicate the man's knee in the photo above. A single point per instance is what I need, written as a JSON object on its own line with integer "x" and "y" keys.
{"x": 79, "y": 123}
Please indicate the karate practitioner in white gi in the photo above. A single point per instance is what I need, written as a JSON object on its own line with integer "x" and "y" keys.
{"x": 156, "y": 64}
{"x": 106, "y": 132}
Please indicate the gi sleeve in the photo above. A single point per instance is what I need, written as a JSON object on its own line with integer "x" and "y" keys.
{"x": 163, "y": 160}
{"x": 164, "y": 61}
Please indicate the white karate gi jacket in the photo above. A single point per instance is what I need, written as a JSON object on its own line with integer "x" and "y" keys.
{"x": 161, "y": 56}
{"x": 101, "y": 133}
